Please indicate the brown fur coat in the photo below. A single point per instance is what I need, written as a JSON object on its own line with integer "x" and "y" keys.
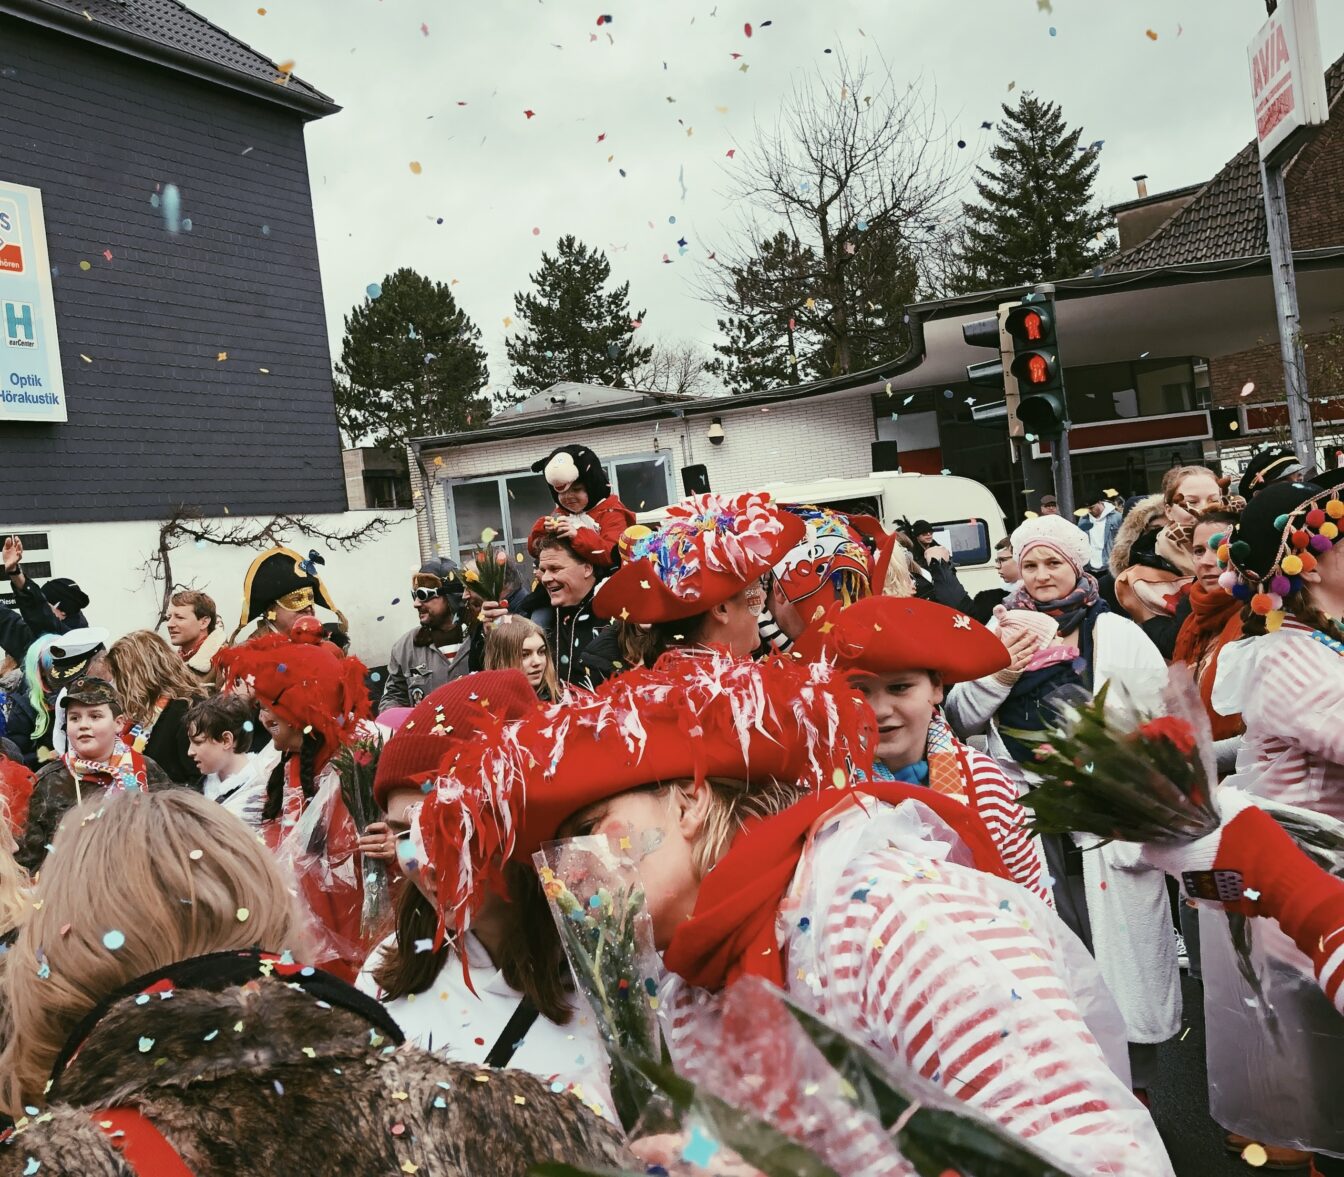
{"x": 262, "y": 1079}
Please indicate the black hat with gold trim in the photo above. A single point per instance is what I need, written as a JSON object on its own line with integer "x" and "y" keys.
{"x": 281, "y": 576}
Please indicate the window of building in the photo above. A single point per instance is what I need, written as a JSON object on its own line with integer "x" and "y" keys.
{"x": 642, "y": 483}
{"x": 1165, "y": 386}
{"x": 386, "y": 490}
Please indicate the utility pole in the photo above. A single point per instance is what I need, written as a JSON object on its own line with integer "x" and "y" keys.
{"x": 1288, "y": 89}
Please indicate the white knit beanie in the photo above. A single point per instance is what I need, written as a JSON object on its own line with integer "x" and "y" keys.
{"x": 1056, "y": 533}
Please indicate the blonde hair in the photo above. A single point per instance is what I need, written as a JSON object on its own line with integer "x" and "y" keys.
{"x": 173, "y": 875}
{"x": 15, "y": 886}
{"x": 504, "y": 650}
{"x": 144, "y": 669}
{"x": 900, "y": 581}
{"x": 1172, "y": 479}
{"x": 732, "y": 803}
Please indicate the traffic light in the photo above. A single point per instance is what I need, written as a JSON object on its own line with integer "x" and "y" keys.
{"x": 990, "y": 332}
{"x": 1042, "y": 407}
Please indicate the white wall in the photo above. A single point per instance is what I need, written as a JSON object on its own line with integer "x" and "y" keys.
{"x": 108, "y": 560}
{"x": 817, "y": 437}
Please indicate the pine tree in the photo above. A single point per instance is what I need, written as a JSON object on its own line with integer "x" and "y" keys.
{"x": 573, "y": 327}
{"x": 411, "y": 365}
{"x": 1035, "y": 219}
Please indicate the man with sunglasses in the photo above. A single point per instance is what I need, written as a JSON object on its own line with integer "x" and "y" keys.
{"x": 435, "y": 652}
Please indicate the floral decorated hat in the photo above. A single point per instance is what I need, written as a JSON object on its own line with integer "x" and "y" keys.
{"x": 709, "y": 549}
{"x": 1282, "y": 532}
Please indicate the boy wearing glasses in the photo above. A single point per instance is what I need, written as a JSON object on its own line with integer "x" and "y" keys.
{"x": 982, "y": 604}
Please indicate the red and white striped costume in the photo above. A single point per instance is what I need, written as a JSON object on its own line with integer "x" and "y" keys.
{"x": 995, "y": 798}
{"x": 1289, "y": 688}
{"x": 957, "y": 975}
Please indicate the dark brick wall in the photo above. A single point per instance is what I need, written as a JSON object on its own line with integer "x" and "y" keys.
{"x": 1315, "y": 186}
{"x": 157, "y": 419}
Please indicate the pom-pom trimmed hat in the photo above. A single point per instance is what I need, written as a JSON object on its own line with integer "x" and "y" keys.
{"x": 303, "y": 680}
{"x": 1282, "y": 532}
{"x": 1056, "y": 533}
{"x": 568, "y": 464}
{"x": 888, "y": 635}
{"x": 446, "y": 717}
{"x": 709, "y": 549}
{"x": 691, "y": 716}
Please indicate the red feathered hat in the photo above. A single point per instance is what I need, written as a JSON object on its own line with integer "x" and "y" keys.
{"x": 709, "y": 549}
{"x": 446, "y": 717}
{"x": 886, "y": 635}
{"x": 16, "y": 787}
{"x": 693, "y": 715}
{"x": 304, "y": 681}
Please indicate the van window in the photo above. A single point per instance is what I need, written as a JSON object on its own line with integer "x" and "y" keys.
{"x": 966, "y": 539}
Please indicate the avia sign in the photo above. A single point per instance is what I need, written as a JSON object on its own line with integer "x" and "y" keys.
{"x": 1287, "y": 80}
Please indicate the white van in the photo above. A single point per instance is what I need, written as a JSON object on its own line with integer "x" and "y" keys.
{"x": 966, "y": 517}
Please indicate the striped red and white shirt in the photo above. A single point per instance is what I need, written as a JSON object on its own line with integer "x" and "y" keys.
{"x": 962, "y": 978}
{"x": 1289, "y": 688}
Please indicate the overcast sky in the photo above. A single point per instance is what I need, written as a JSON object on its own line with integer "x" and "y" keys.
{"x": 446, "y": 85}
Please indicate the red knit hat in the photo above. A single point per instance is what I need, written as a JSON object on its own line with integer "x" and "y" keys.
{"x": 886, "y": 635}
{"x": 693, "y": 715}
{"x": 304, "y": 681}
{"x": 446, "y": 717}
{"x": 709, "y": 549}
{"x": 16, "y": 787}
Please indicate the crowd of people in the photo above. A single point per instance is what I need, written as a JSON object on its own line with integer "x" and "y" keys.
{"x": 262, "y": 905}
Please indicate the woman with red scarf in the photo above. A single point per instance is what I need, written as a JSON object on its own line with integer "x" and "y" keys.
{"x": 313, "y": 702}
{"x": 1213, "y": 621}
{"x": 767, "y": 849}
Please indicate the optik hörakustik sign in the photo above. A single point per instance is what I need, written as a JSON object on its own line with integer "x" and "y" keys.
{"x": 31, "y": 385}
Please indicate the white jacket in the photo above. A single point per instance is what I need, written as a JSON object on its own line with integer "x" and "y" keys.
{"x": 1132, "y": 935}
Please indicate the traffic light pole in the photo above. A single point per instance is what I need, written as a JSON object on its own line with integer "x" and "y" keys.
{"x": 1062, "y": 469}
{"x": 1290, "y": 325}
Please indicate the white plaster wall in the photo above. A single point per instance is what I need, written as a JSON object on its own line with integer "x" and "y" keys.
{"x": 791, "y": 441}
{"x": 109, "y": 562}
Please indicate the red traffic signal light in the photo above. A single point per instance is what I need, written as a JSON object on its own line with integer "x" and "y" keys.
{"x": 1031, "y": 324}
{"x": 1036, "y": 369}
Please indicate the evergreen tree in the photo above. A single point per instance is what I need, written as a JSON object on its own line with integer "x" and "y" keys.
{"x": 411, "y": 365}
{"x": 1035, "y": 219}
{"x": 573, "y": 327}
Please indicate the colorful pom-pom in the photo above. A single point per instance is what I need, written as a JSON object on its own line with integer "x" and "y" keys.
{"x": 1280, "y": 584}
{"x": 1280, "y": 522}
{"x": 1228, "y": 581}
{"x": 1240, "y": 550}
{"x": 1335, "y": 509}
{"x": 1224, "y": 552}
{"x": 1262, "y": 603}
{"x": 1330, "y": 530}
{"x": 1308, "y": 562}
{"x": 1273, "y": 621}
{"x": 1321, "y": 543}
{"x": 1315, "y": 517}
{"x": 1300, "y": 539}
{"x": 1291, "y": 565}
{"x": 1241, "y": 592}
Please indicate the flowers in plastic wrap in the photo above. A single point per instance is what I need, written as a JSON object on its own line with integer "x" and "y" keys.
{"x": 356, "y": 766}
{"x": 597, "y": 900}
{"x": 488, "y": 569}
{"x": 777, "y": 1091}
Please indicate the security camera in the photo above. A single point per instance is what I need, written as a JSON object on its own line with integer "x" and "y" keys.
{"x": 715, "y": 431}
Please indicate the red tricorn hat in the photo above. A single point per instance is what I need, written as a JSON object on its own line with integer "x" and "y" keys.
{"x": 303, "y": 680}
{"x": 886, "y": 635}
{"x": 446, "y": 717}
{"x": 709, "y": 549}
{"x": 693, "y": 715}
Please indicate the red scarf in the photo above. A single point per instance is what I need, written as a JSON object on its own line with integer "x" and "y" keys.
{"x": 731, "y": 933}
{"x": 1215, "y": 619}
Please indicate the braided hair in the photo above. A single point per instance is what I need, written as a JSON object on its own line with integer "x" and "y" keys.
{"x": 275, "y": 783}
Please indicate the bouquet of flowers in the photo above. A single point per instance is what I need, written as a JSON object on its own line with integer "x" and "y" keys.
{"x": 597, "y": 901}
{"x": 1126, "y": 779}
{"x": 487, "y": 572}
{"x": 356, "y": 765}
